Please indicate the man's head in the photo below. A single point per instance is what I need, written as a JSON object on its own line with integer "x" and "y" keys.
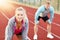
{"x": 47, "y": 4}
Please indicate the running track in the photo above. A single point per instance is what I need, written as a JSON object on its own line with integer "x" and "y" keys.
{"x": 5, "y": 14}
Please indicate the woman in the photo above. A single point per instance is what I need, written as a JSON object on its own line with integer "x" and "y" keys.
{"x": 18, "y": 25}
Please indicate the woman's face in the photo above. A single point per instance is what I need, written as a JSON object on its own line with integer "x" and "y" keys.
{"x": 19, "y": 15}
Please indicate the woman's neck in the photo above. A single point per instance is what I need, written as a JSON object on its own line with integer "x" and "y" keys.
{"x": 19, "y": 24}
{"x": 18, "y": 21}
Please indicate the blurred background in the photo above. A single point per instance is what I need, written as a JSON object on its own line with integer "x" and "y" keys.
{"x": 37, "y": 3}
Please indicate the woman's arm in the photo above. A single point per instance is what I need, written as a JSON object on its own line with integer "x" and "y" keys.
{"x": 25, "y": 32}
{"x": 9, "y": 31}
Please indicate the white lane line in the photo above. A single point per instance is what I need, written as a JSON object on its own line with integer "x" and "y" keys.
{"x": 56, "y": 24}
{"x": 4, "y": 15}
{"x": 46, "y": 30}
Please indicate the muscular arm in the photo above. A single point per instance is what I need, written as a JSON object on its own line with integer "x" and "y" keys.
{"x": 37, "y": 14}
{"x": 51, "y": 15}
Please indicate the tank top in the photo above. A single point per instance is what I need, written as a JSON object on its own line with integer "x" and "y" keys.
{"x": 16, "y": 30}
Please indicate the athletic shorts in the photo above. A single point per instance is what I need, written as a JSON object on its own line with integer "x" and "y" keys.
{"x": 44, "y": 18}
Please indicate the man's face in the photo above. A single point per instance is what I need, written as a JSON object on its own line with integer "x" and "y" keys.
{"x": 19, "y": 15}
{"x": 47, "y": 5}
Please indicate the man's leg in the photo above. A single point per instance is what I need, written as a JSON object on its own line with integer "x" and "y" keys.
{"x": 49, "y": 28}
{"x": 36, "y": 29}
{"x": 35, "y": 32}
{"x": 49, "y": 35}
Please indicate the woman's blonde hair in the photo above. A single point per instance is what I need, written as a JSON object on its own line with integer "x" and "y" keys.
{"x": 22, "y": 9}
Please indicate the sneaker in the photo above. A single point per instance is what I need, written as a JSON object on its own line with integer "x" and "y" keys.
{"x": 35, "y": 37}
{"x": 28, "y": 38}
{"x": 50, "y": 36}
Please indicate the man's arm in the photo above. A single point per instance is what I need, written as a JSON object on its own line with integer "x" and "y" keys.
{"x": 37, "y": 14}
{"x": 51, "y": 15}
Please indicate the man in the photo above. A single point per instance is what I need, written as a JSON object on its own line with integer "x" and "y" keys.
{"x": 42, "y": 13}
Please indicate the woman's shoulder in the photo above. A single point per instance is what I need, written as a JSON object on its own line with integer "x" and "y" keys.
{"x": 12, "y": 19}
